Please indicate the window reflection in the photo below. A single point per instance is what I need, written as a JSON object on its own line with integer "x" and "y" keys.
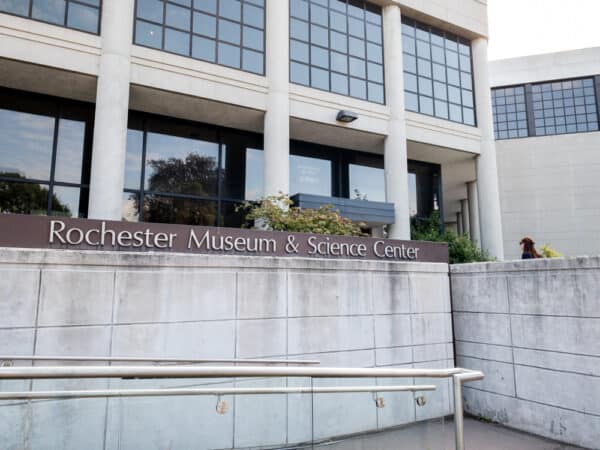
{"x": 337, "y": 47}
{"x": 37, "y": 174}
{"x": 26, "y": 144}
{"x": 83, "y": 15}
{"x": 181, "y": 165}
{"x": 412, "y": 194}
{"x": 185, "y": 211}
{"x": 310, "y": 176}
{"x": 66, "y": 202}
{"x": 193, "y": 174}
{"x": 437, "y": 73}
{"x": 366, "y": 183}
{"x": 254, "y": 174}
{"x": 226, "y": 32}
{"x": 130, "y": 209}
{"x": 69, "y": 151}
{"x": 23, "y": 198}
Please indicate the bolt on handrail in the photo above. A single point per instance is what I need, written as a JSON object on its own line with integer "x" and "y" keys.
{"x": 458, "y": 375}
{"x": 155, "y": 360}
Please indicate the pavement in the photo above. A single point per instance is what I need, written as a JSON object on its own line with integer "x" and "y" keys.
{"x": 439, "y": 435}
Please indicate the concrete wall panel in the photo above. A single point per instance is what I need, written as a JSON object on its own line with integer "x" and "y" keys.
{"x": 342, "y": 313}
{"x": 543, "y": 376}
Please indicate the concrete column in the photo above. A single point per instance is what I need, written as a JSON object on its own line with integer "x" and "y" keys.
{"x": 487, "y": 172}
{"x": 112, "y": 106}
{"x": 464, "y": 213}
{"x": 395, "y": 160}
{"x": 474, "y": 212}
{"x": 277, "y": 116}
{"x": 459, "y": 223}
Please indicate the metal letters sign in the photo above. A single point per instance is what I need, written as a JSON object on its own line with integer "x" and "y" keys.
{"x": 81, "y": 234}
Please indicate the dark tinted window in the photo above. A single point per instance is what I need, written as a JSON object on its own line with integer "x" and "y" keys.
{"x": 83, "y": 15}
{"x": 226, "y": 32}
{"x": 188, "y": 173}
{"x": 44, "y": 155}
{"x": 438, "y": 77}
{"x": 337, "y": 46}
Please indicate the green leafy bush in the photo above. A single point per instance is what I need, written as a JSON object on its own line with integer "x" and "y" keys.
{"x": 277, "y": 213}
{"x": 460, "y": 247}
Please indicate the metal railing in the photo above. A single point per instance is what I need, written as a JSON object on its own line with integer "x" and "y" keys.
{"x": 7, "y": 360}
{"x": 458, "y": 375}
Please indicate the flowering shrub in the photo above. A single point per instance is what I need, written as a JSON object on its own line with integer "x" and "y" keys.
{"x": 549, "y": 252}
{"x": 277, "y": 213}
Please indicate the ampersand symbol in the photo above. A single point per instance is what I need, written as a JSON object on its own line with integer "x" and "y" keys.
{"x": 291, "y": 246}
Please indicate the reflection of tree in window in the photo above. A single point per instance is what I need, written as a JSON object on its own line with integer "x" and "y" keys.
{"x": 27, "y": 198}
{"x": 194, "y": 175}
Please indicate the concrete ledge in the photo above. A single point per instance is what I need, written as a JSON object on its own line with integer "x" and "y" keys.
{"x": 580, "y": 262}
{"x": 19, "y": 256}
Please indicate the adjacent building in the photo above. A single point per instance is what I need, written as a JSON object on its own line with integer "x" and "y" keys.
{"x": 178, "y": 110}
{"x": 548, "y": 143}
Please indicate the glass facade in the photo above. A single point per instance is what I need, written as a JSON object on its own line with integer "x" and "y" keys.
{"x": 227, "y": 32}
{"x": 564, "y": 107}
{"x": 510, "y": 112}
{"x": 188, "y": 173}
{"x": 83, "y": 15}
{"x": 337, "y": 46}
{"x": 45, "y": 155}
{"x": 541, "y": 109}
{"x": 438, "y": 78}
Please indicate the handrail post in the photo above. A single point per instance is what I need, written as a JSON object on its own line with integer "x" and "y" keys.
{"x": 458, "y": 413}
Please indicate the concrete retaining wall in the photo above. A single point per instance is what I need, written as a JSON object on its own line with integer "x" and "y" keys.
{"x": 533, "y": 327}
{"x": 344, "y": 313}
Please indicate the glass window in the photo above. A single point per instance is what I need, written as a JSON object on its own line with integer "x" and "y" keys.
{"x": 189, "y": 173}
{"x": 503, "y": 122}
{"x": 44, "y": 154}
{"x": 559, "y": 107}
{"x": 346, "y": 47}
{"x": 438, "y": 58}
{"x": 254, "y": 174}
{"x": 226, "y": 32}
{"x": 366, "y": 183}
{"x": 571, "y": 102}
{"x": 83, "y": 15}
{"x": 310, "y": 176}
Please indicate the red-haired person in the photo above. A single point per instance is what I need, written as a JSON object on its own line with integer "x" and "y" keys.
{"x": 528, "y": 247}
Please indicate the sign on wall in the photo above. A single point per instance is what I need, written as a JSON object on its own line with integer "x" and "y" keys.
{"x": 82, "y": 234}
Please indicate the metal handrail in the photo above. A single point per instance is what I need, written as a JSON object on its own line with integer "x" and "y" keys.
{"x": 458, "y": 375}
{"x": 157, "y": 360}
{"x": 167, "y": 392}
{"x": 48, "y": 372}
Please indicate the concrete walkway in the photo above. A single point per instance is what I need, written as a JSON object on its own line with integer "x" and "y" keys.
{"x": 438, "y": 435}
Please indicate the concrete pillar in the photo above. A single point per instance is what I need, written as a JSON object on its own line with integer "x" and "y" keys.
{"x": 459, "y": 223}
{"x": 464, "y": 213}
{"x": 395, "y": 159}
{"x": 474, "y": 212}
{"x": 277, "y": 116}
{"x": 487, "y": 172}
{"x": 112, "y": 106}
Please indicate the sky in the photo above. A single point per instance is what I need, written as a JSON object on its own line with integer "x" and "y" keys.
{"x": 528, "y": 27}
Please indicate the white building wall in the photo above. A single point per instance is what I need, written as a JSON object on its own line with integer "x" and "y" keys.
{"x": 550, "y": 191}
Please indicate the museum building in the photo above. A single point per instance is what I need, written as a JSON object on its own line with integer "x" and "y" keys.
{"x": 177, "y": 111}
{"x": 546, "y": 124}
